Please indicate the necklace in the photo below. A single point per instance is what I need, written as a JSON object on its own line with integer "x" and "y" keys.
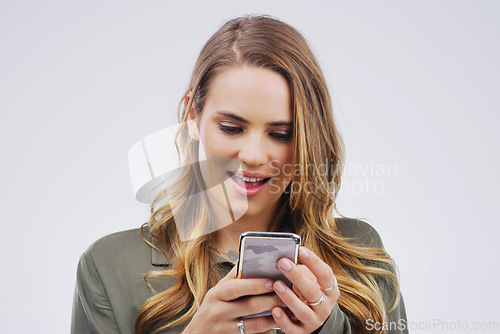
{"x": 232, "y": 255}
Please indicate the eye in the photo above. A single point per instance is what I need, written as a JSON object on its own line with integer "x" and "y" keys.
{"x": 231, "y": 130}
{"x": 282, "y": 136}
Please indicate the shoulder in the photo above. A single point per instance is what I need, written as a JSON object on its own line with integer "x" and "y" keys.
{"x": 123, "y": 248}
{"x": 358, "y": 232}
{"x": 361, "y": 233}
{"x": 110, "y": 285}
{"x": 129, "y": 239}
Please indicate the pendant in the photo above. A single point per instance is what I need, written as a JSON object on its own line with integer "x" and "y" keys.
{"x": 233, "y": 255}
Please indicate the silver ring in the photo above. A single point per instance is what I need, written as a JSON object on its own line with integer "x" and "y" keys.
{"x": 333, "y": 286}
{"x": 241, "y": 325}
{"x": 320, "y": 301}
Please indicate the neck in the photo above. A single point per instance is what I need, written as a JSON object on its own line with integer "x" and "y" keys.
{"x": 228, "y": 237}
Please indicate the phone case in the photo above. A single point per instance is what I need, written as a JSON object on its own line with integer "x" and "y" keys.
{"x": 259, "y": 255}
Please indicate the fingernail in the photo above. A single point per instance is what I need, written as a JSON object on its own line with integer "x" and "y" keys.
{"x": 304, "y": 252}
{"x": 269, "y": 285}
{"x": 285, "y": 264}
{"x": 277, "y": 313}
{"x": 280, "y": 287}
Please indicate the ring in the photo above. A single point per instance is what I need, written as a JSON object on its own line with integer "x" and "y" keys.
{"x": 333, "y": 286}
{"x": 320, "y": 301}
{"x": 241, "y": 326}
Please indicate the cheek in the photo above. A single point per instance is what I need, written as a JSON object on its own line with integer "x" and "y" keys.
{"x": 214, "y": 142}
{"x": 215, "y": 147}
{"x": 284, "y": 159}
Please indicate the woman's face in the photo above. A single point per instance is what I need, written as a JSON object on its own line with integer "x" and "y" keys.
{"x": 245, "y": 132}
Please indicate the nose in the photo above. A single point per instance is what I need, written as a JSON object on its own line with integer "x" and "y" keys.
{"x": 253, "y": 151}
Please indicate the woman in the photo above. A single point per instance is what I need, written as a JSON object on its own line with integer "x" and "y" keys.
{"x": 261, "y": 153}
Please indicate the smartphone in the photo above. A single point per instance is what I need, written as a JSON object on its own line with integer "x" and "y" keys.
{"x": 259, "y": 255}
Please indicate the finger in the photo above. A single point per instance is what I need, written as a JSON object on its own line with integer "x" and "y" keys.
{"x": 307, "y": 273}
{"x": 322, "y": 271}
{"x": 252, "y": 305}
{"x": 302, "y": 311}
{"x": 298, "y": 293}
{"x": 230, "y": 275}
{"x": 235, "y": 288}
{"x": 283, "y": 321}
{"x": 307, "y": 286}
{"x": 255, "y": 325}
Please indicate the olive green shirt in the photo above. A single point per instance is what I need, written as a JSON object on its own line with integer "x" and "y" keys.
{"x": 110, "y": 286}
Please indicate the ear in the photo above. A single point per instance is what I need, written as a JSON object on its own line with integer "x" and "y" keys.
{"x": 192, "y": 120}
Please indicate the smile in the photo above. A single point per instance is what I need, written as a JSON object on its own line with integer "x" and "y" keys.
{"x": 248, "y": 186}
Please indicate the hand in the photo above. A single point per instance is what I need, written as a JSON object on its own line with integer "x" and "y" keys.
{"x": 310, "y": 283}
{"x": 221, "y": 309}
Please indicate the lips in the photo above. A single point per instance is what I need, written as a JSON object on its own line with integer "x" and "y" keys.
{"x": 248, "y": 180}
{"x": 248, "y": 188}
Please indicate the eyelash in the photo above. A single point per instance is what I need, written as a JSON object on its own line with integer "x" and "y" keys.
{"x": 233, "y": 130}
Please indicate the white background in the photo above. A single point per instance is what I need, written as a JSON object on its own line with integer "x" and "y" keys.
{"x": 416, "y": 89}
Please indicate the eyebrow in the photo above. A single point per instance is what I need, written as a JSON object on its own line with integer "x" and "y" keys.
{"x": 241, "y": 119}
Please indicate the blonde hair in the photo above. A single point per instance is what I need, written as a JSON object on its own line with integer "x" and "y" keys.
{"x": 266, "y": 42}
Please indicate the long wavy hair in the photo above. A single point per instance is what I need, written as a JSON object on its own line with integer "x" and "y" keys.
{"x": 266, "y": 42}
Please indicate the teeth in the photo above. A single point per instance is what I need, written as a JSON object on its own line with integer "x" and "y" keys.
{"x": 249, "y": 179}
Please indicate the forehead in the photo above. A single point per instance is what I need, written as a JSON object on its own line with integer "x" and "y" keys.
{"x": 251, "y": 91}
